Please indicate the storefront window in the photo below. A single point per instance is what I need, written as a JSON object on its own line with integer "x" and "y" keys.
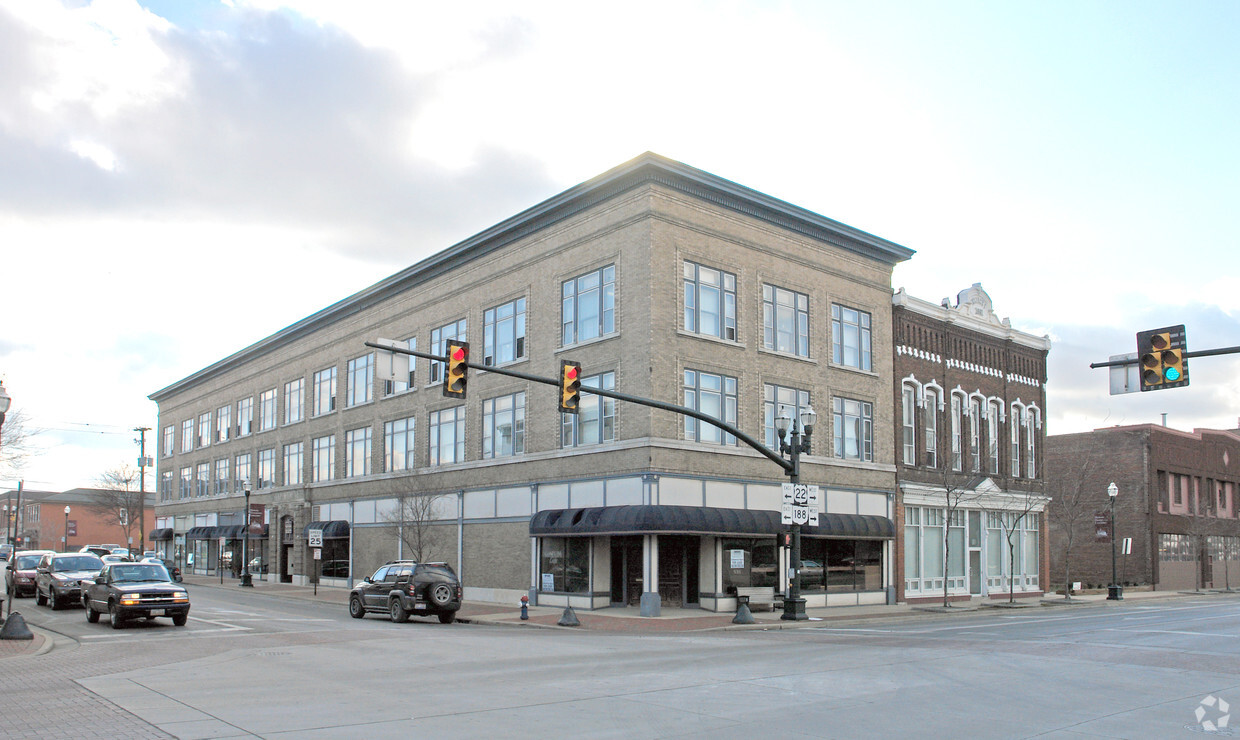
{"x": 841, "y": 565}
{"x": 566, "y": 562}
{"x": 748, "y": 563}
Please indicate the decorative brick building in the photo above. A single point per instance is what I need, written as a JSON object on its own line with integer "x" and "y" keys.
{"x": 1176, "y": 500}
{"x": 971, "y": 397}
{"x": 41, "y": 522}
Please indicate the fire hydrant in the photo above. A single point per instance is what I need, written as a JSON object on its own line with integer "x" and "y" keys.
{"x": 525, "y": 606}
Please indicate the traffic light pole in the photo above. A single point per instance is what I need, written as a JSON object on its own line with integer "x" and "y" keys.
{"x": 1187, "y": 356}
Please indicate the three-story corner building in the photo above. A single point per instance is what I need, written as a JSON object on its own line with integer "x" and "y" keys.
{"x": 969, "y": 440}
{"x": 664, "y": 282}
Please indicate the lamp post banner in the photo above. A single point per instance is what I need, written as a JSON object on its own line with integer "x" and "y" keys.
{"x": 1102, "y": 526}
{"x": 258, "y": 514}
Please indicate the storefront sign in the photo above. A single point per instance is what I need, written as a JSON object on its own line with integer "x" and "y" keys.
{"x": 736, "y": 558}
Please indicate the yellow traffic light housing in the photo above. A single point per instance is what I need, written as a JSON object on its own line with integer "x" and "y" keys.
{"x": 1161, "y": 355}
{"x": 570, "y": 386}
{"x": 454, "y": 378}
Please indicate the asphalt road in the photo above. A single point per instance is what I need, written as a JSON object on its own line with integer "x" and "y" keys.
{"x": 250, "y": 665}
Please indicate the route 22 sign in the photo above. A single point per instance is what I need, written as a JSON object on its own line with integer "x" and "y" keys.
{"x": 800, "y": 504}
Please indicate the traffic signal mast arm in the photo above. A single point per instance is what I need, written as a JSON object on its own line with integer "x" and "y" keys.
{"x": 755, "y": 444}
{"x": 1187, "y": 356}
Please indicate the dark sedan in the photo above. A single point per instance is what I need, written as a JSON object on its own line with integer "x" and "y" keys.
{"x": 58, "y": 577}
{"x": 19, "y": 572}
{"x": 135, "y": 591}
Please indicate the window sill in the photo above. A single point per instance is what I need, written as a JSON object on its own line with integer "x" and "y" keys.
{"x": 851, "y": 369}
{"x": 710, "y": 338}
{"x": 360, "y": 405}
{"x": 588, "y": 342}
{"x": 787, "y": 355}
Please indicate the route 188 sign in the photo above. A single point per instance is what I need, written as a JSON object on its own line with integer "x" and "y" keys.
{"x": 800, "y": 504}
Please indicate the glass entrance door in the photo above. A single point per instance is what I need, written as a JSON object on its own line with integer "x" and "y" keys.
{"x": 975, "y": 553}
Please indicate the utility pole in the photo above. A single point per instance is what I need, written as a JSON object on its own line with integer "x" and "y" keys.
{"x": 141, "y": 489}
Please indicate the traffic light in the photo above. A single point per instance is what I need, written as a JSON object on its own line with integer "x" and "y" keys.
{"x": 1160, "y": 354}
{"x": 454, "y": 378}
{"x": 570, "y": 386}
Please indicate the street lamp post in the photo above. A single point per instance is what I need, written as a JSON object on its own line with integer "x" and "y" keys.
{"x": 246, "y": 579}
{"x": 1116, "y": 591}
{"x": 66, "y": 547}
{"x": 793, "y": 442}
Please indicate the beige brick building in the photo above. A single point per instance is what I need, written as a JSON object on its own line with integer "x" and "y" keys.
{"x": 664, "y": 282}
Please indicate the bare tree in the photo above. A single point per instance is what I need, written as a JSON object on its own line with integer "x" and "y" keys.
{"x": 417, "y": 521}
{"x": 1013, "y": 510}
{"x": 956, "y": 493}
{"x": 17, "y": 437}
{"x": 1072, "y": 505}
{"x": 117, "y": 499}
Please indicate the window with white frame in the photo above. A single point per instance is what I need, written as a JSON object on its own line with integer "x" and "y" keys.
{"x": 245, "y": 416}
{"x": 202, "y": 480}
{"x": 222, "y": 480}
{"x": 924, "y": 550}
{"x": 1031, "y": 434}
{"x": 241, "y": 473}
{"x": 325, "y": 391}
{"x": 294, "y": 400}
{"x": 186, "y": 488}
{"x": 361, "y": 380}
{"x": 294, "y": 459}
{"x": 957, "y": 427}
{"x": 595, "y": 420}
{"x": 204, "y": 429}
{"x": 503, "y": 426}
{"x": 223, "y": 423}
{"x": 588, "y": 306}
{"x": 398, "y": 445}
{"x": 170, "y": 434}
{"x": 392, "y": 387}
{"x": 187, "y": 435}
{"x": 975, "y": 435}
{"x": 777, "y": 400}
{"x": 715, "y": 396}
{"x": 267, "y": 468}
{"x": 710, "y": 301}
{"x": 323, "y": 462}
{"x": 165, "y": 485}
{"x": 785, "y": 321}
{"x": 992, "y": 437}
{"x": 932, "y": 428}
{"x": 357, "y": 452}
{"x": 908, "y": 436}
{"x": 503, "y": 333}
{"x": 852, "y": 422}
{"x": 447, "y": 436}
{"x": 267, "y": 410}
{"x": 1014, "y": 438}
{"x": 850, "y": 337}
{"x": 456, "y": 331}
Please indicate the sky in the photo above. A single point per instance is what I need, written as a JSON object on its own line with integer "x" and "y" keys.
{"x": 182, "y": 178}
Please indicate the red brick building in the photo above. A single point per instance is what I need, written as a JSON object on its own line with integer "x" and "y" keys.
{"x": 970, "y": 397}
{"x": 1176, "y": 500}
{"x": 92, "y": 520}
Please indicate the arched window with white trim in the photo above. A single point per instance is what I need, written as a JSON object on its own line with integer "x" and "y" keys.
{"x": 957, "y": 425}
{"x": 908, "y": 396}
{"x": 1014, "y": 424}
{"x": 975, "y": 435}
{"x": 934, "y": 404}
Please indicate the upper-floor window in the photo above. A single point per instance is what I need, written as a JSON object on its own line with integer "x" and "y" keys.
{"x": 455, "y": 331}
{"x": 204, "y": 429}
{"x": 398, "y": 445}
{"x": 503, "y": 426}
{"x": 267, "y": 410}
{"x": 908, "y": 414}
{"x": 595, "y": 420}
{"x": 223, "y": 423}
{"x": 165, "y": 485}
{"x": 357, "y": 452}
{"x": 361, "y": 379}
{"x": 447, "y": 436}
{"x": 715, "y": 396}
{"x": 1014, "y": 422}
{"x": 503, "y": 333}
{"x": 241, "y": 473}
{"x": 992, "y": 437}
{"x": 853, "y": 424}
{"x": 294, "y": 400}
{"x": 245, "y": 416}
{"x": 710, "y": 301}
{"x": 221, "y": 477}
{"x": 323, "y": 454}
{"x": 170, "y": 434}
{"x": 850, "y": 337}
{"x": 588, "y": 306}
{"x": 202, "y": 479}
{"x": 932, "y": 428}
{"x": 294, "y": 458}
{"x": 186, "y": 487}
{"x": 325, "y": 391}
{"x": 957, "y": 429}
{"x": 779, "y": 400}
{"x": 1031, "y": 434}
{"x": 785, "y": 321}
{"x": 392, "y": 387}
{"x": 187, "y": 435}
{"x": 267, "y": 468}
{"x": 975, "y": 435}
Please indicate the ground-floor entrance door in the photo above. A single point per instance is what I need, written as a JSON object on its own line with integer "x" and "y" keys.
{"x": 626, "y": 571}
{"x": 678, "y": 570}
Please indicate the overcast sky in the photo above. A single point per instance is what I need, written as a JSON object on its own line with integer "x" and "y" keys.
{"x": 181, "y": 178}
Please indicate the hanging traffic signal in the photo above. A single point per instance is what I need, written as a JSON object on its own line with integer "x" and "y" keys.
{"x": 454, "y": 378}
{"x": 570, "y": 386}
{"x": 1160, "y": 354}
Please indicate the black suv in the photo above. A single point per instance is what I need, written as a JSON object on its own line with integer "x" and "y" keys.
{"x": 402, "y": 587}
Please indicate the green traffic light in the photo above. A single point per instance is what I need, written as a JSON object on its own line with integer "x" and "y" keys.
{"x": 1172, "y": 374}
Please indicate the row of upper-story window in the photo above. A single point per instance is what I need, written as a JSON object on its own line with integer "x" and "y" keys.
{"x": 587, "y": 312}
{"x": 503, "y": 434}
{"x": 971, "y": 425}
{"x": 1196, "y": 495}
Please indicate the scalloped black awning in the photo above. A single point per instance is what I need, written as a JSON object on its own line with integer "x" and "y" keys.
{"x": 161, "y": 534}
{"x": 335, "y": 529}
{"x": 605, "y": 520}
{"x": 200, "y": 533}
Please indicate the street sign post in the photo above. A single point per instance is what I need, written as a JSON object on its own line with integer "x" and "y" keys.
{"x": 800, "y": 504}
{"x": 316, "y": 538}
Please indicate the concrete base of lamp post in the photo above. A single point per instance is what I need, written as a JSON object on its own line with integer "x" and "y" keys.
{"x": 1115, "y": 593}
{"x": 794, "y": 610}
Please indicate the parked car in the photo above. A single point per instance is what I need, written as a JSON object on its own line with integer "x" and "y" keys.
{"x": 114, "y": 558}
{"x": 5, "y": 551}
{"x": 99, "y": 550}
{"x": 19, "y": 572}
{"x": 170, "y": 566}
{"x": 400, "y": 588}
{"x": 58, "y": 577}
{"x": 135, "y": 590}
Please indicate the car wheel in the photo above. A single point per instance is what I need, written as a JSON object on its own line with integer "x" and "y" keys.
{"x": 52, "y": 600}
{"x": 356, "y": 610}
{"x": 39, "y": 598}
{"x": 180, "y": 620}
{"x": 397, "y": 610}
{"x": 92, "y": 616}
{"x": 447, "y": 617}
{"x": 441, "y": 594}
{"x": 114, "y": 616}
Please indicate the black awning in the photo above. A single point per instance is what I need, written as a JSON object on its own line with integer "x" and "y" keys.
{"x": 158, "y": 535}
{"x": 603, "y": 520}
{"x": 335, "y": 529}
{"x": 200, "y": 533}
{"x": 230, "y": 531}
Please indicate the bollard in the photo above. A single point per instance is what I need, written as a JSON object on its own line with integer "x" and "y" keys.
{"x": 525, "y": 607}
{"x": 743, "y": 615}
{"x": 15, "y": 628}
{"x": 569, "y": 618}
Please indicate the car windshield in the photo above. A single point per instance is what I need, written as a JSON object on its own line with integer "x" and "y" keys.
{"x": 77, "y": 562}
{"x": 139, "y": 572}
{"x": 27, "y": 562}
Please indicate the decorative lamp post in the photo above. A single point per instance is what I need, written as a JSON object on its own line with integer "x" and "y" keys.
{"x": 66, "y": 547}
{"x": 1116, "y": 591}
{"x": 246, "y": 579}
{"x": 793, "y": 440}
{"x": 5, "y": 400}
